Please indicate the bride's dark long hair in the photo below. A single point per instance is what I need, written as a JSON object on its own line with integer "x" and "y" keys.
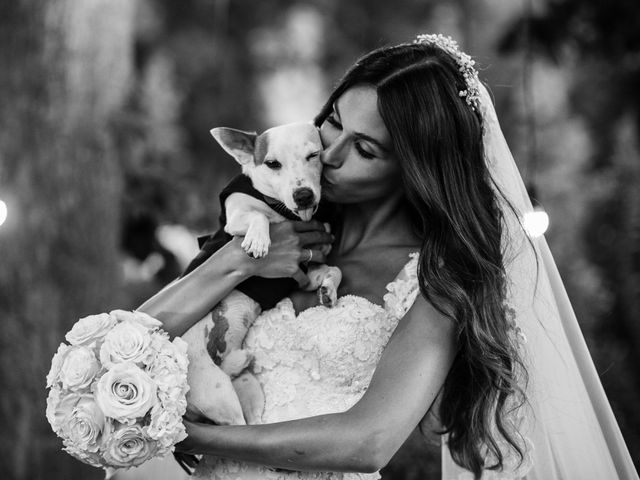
{"x": 437, "y": 138}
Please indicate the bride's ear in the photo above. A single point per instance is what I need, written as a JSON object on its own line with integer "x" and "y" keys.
{"x": 237, "y": 143}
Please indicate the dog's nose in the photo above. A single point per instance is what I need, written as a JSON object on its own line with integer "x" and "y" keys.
{"x": 303, "y": 197}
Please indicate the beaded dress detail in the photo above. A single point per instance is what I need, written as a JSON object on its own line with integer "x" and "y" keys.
{"x": 317, "y": 363}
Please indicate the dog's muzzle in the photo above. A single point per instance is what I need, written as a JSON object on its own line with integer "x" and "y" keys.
{"x": 304, "y": 198}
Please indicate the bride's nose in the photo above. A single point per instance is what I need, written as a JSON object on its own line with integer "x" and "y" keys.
{"x": 328, "y": 158}
{"x": 331, "y": 155}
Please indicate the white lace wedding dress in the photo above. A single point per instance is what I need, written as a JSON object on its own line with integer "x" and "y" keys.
{"x": 316, "y": 363}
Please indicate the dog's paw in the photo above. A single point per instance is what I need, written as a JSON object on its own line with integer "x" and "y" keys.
{"x": 235, "y": 362}
{"x": 251, "y": 397}
{"x": 327, "y": 296}
{"x": 256, "y": 246}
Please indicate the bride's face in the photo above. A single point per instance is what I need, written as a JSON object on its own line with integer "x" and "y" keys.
{"x": 359, "y": 163}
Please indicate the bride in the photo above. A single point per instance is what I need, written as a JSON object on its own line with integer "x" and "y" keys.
{"x": 449, "y": 317}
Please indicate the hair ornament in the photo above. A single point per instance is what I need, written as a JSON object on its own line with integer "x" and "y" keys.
{"x": 465, "y": 65}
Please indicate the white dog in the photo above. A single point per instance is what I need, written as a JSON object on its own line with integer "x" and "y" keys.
{"x": 280, "y": 179}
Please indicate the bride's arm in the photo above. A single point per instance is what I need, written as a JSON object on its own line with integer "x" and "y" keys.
{"x": 407, "y": 379}
{"x": 185, "y": 301}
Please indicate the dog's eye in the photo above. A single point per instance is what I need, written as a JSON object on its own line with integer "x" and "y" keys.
{"x": 313, "y": 155}
{"x": 273, "y": 164}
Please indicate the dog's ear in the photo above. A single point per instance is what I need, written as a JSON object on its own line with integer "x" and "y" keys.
{"x": 237, "y": 143}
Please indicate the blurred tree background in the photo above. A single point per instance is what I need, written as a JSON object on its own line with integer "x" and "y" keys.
{"x": 108, "y": 170}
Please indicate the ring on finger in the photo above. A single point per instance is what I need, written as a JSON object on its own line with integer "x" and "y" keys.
{"x": 309, "y": 257}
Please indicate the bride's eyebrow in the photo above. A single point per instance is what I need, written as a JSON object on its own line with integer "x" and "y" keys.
{"x": 364, "y": 136}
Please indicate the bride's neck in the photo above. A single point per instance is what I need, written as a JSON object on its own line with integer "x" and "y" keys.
{"x": 375, "y": 223}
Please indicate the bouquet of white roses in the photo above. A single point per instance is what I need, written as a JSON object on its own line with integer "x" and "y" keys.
{"x": 118, "y": 390}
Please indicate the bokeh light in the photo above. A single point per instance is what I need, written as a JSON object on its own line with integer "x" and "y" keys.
{"x": 536, "y": 222}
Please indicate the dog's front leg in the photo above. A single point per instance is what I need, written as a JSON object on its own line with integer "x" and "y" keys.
{"x": 255, "y": 228}
{"x": 251, "y": 397}
{"x": 325, "y": 280}
{"x": 257, "y": 241}
{"x": 250, "y": 217}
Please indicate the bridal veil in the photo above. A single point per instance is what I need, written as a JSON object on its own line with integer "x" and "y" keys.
{"x": 567, "y": 422}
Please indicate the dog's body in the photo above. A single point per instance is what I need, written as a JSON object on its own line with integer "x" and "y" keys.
{"x": 267, "y": 292}
{"x": 282, "y": 180}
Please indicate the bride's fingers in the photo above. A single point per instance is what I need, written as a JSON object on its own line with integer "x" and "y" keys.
{"x": 312, "y": 255}
{"x": 308, "y": 239}
{"x": 302, "y": 279}
{"x": 311, "y": 225}
{"x": 187, "y": 461}
{"x": 325, "y": 248}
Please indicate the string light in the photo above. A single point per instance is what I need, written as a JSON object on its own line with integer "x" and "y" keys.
{"x": 535, "y": 222}
{"x": 3, "y": 212}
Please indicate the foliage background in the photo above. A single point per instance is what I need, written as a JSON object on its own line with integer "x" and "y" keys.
{"x": 108, "y": 170}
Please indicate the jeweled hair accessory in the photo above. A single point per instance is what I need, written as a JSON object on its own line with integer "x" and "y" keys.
{"x": 465, "y": 65}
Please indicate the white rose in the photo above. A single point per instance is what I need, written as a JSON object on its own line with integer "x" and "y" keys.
{"x": 138, "y": 317}
{"x": 170, "y": 356}
{"x": 125, "y": 392}
{"x": 166, "y": 427}
{"x": 126, "y": 342}
{"x": 79, "y": 368}
{"x": 174, "y": 397}
{"x": 128, "y": 447}
{"x": 89, "y": 329}
{"x": 59, "y": 407}
{"x": 83, "y": 427}
{"x": 171, "y": 382}
{"x": 181, "y": 357}
{"x": 56, "y": 364}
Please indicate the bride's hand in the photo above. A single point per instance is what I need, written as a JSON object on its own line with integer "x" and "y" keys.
{"x": 186, "y": 451}
{"x": 291, "y": 242}
{"x": 198, "y": 442}
{"x": 192, "y": 445}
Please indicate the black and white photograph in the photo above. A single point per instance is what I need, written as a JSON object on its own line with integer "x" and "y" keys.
{"x": 320, "y": 240}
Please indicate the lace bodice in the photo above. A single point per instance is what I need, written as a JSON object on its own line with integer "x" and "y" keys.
{"x": 316, "y": 363}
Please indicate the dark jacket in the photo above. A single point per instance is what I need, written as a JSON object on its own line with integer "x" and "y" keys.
{"x": 266, "y": 291}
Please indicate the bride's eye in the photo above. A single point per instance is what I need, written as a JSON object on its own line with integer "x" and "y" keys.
{"x": 362, "y": 152}
{"x": 333, "y": 121}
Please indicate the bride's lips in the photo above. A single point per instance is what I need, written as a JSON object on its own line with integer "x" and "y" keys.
{"x": 325, "y": 181}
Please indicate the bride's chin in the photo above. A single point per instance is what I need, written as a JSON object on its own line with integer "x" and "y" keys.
{"x": 331, "y": 195}
{"x": 327, "y": 190}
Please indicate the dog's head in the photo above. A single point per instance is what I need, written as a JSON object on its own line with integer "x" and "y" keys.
{"x": 283, "y": 162}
